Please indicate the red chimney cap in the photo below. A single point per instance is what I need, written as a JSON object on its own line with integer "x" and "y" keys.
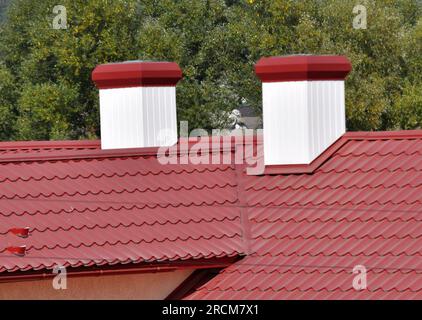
{"x": 136, "y": 74}
{"x": 302, "y": 68}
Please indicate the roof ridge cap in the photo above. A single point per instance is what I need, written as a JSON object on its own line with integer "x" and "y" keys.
{"x": 384, "y": 135}
{"x": 52, "y": 144}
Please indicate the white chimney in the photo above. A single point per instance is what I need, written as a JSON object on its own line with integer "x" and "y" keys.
{"x": 137, "y": 103}
{"x": 303, "y": 106}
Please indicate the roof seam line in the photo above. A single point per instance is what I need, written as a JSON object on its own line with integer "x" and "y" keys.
{"x": 243, "y": 206}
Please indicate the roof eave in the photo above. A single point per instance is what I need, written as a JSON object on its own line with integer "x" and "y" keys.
{"x": 194, "y": 264}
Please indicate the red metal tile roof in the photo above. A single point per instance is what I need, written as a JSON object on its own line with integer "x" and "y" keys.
{"x": 105, "y": 210}
{"x": 363, "y": 206}
{"x": 302, "y": 233}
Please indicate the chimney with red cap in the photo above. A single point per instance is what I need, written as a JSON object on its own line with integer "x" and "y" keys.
{"x": 137, "y": 103}
{"x": 303, "y": 106}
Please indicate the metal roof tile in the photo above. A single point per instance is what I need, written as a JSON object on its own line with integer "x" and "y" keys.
{"x": 362, "y": 206}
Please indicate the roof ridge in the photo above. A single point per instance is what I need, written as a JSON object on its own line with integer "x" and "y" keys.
{"x": 384, "y": 135}
{"x": 91, "y": 148}
{"x": 51, "y": 144}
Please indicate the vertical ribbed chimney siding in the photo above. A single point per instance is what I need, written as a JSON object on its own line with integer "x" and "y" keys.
{"x": 303, "y": 106}
{"x": 138, "y": 117}
{"x": 326, "y": 114}
{"x": 301, "y": 119}
{"x": 159, "y": 113}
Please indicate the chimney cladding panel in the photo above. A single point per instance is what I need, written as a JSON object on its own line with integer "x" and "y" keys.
{"x": 326, "y": 115}
{"x": 303, "y": 106}
{"x": 137, "y": 104}
{"x": 285, "y": 120}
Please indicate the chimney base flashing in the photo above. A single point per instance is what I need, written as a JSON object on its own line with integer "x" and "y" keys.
{"x": 306, "y": 168}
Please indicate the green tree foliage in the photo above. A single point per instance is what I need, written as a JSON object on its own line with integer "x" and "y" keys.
{"x": 46, "y": 91}
{"x": 52, "y": 68}
{"x": 382, "y": 60}
{"x": 8, "y": 96}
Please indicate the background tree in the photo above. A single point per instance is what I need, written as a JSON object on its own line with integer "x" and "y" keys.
{"x": 383, "y": 61}
{"x": 46, "y": 91}
{"x": 52, "y": 68}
